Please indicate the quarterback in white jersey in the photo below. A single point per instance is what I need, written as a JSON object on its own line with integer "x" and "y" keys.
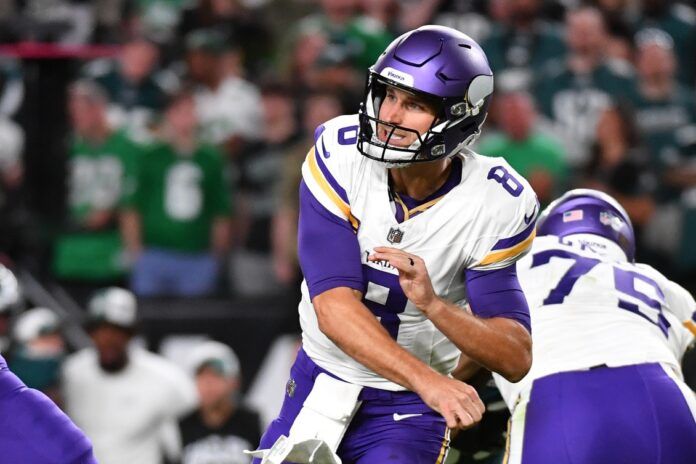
{"x": 408, "y": 242}
{"x": 609, "y": 336}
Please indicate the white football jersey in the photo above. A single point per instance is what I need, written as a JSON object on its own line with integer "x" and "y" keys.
{"x": 588, "y": 310}
{"x": 485, "y": 222}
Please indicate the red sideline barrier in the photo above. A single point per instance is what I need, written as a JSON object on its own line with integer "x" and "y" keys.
{"x": 48, "y": 51}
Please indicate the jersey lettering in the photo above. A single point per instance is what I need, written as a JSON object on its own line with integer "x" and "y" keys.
{"x": 504, "y": 178}
{"x": 385, "y": 298}
{"x": 627, "y": 282}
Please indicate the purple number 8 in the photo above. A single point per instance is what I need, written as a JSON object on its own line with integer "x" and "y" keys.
{"x": 504, "y": 178}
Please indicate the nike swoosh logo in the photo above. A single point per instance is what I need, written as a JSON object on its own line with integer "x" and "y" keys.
{"x": 400, "y": 417}
{"x": 323, "y": 148}
{"x": 528, "y": 219}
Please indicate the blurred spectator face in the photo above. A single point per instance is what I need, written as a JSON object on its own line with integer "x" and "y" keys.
{"x": 224, "y": 7}
{"x": 384, "y": 10}
{"x": 202, "y": 65}
{"x": 655, "y": 62}
{"x": 522, "y": 11}
{"x": 499, "y": 10}
{"x": 279, "y": 114}
{"x": 585, "y": 32}
{"x": 319, "y": 108}
{"x": 611, "y": 6}
{"x": 307, "y": 51}
{"x": 517, "y": 115}
{"x": 339, "y": 10}
{"x": 86, "y": 113}
{"x": 138, "y": 59}
{"x": 50, "y": 344}
{"x": 214, "y": 387}
{"x": 181, "y": 115}
{"x": 111, "y": 342}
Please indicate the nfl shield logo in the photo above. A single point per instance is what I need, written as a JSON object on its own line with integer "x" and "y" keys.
{"x": 395, "y": 235}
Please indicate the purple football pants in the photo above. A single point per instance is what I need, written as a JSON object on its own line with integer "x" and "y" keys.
{"x": 632, "y": 414}
{"x": 374, "y": 436}
{"x": 33, "y": 430}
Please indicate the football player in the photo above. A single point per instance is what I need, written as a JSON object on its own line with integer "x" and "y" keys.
{"x": 401, "y": 226}
{"x": 33, "y": 430}
{"x": 609, "y": 334}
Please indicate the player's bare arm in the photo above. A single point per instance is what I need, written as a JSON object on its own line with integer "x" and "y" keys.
{"x": 499, "y": 344}
{"x": 350, "y": 325}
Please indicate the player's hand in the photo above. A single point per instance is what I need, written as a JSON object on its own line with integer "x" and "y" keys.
{"x": 413, "y": 276}
{"x": 456, "y": 401}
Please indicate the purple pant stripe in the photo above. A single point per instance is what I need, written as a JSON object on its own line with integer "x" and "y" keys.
{"x": 631, "y": 414}
{"x": 373, "y": 436}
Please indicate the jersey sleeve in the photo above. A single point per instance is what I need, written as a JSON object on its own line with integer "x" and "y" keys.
{"x": 328, "y": 248}
{"x": 327, "y": 171}
{"x": 497, "y": 293}
{"x": 681, "y": 304}
{"x": 509, "y": 228}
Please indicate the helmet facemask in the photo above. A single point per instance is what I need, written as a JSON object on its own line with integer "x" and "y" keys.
{"x": 453, "y": 115}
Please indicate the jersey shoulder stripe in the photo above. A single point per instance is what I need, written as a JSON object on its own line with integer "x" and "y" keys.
{"x": 515, "y": 246}
{"x": 328, "y": 185}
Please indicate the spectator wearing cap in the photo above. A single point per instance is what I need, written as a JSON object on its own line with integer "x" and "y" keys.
{"x": 102, "y": 163}
{"x": 38, "y": 350}
{"x": 221, "y": 429}
{"x": 228, "y": 107}
{"x": 122, "y": 396}
{"x": 176, "y": 222}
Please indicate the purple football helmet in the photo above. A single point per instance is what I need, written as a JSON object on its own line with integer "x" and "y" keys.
{"x": 586, "y": 211}
{"x": 443, "y": 66}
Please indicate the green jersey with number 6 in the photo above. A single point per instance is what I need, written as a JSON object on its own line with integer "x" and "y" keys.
{"x": 178, "y": 197}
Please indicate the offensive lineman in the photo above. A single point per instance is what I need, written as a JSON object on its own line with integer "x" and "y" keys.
{"x": 401, "y": 225}
{"x": 609, "y": 334}
{"x": 33, "y": 430}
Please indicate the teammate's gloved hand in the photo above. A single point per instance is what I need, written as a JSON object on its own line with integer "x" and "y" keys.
{"x": 457, "y": 401}
{"x": 413, "y": 275}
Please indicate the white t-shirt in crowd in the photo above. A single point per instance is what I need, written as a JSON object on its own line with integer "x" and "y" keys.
{"x": 123, "y": 413}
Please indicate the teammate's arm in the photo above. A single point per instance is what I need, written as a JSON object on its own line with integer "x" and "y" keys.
{"x": 500, "y": 344}
{"x": 355, "y": 330}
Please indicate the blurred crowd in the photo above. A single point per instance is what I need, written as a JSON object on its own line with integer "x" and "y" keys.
{"x": 186, "y": 136}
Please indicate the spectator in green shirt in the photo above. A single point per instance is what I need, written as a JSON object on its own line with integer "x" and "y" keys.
{"x": 538, "y": 157}
{"x": 100, "y": 169}
{"x": 176, "y": 223}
